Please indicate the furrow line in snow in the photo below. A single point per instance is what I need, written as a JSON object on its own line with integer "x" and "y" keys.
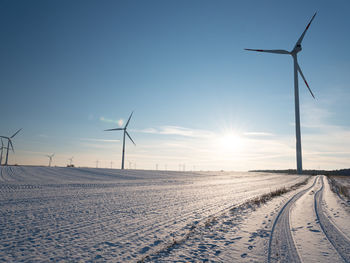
{"x": 281, "y": 244}
{"x": 339, "y": 241}
{"x": 110, "y": 219}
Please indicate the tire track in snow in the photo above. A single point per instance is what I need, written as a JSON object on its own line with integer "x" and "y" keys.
{"x": 333, "y": 234}
{"x": 281, "y": 243}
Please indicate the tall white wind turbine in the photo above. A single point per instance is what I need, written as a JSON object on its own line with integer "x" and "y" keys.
{"x": 50, "y": 158}
{"x": 124, "y": 132}
{"x": 9, "y": 143}
{"x": 297, "y": 48}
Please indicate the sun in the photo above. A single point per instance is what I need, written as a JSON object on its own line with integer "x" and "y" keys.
{"x": 230, "y": 142}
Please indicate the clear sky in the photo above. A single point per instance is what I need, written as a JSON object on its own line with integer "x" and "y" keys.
{"x": 70, "y": 69}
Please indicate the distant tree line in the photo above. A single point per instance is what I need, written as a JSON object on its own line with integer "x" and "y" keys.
{"x": 345, "y": 172}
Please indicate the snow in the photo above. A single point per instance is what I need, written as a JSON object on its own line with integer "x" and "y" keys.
{"x": 336, "y": 210}
{"x": 84, "y": 214}
{"x": 307, "y": 233}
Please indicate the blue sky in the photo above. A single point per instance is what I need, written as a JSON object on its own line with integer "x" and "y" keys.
{"x": 70, "y": 69}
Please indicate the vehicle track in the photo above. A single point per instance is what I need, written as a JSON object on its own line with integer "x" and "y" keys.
{"x": 339, "y": 241}
{"x": 281, "y": 244}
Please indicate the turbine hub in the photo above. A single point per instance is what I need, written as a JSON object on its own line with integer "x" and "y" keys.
{"x": 297, "y": 49}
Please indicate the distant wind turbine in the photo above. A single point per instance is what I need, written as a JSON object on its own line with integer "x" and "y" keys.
{"x": 71, "y": 160}
{"x": 9, "y": 143}
{"x": 50, "y": 158}
{"x": 125, "y": 132}
{"x": 297, "y": 48}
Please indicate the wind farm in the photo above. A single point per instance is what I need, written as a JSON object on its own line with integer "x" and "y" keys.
{"x": 233, "y": 162}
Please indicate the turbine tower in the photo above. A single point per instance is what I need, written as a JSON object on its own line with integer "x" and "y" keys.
{"x": 9, "y": 143}
{"x": 125, "y": 132}
{"x": 297, "y": 48}
{"x": 50, "y": 158}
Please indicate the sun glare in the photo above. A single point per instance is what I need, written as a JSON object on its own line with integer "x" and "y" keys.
{"x": 230, "y": 142}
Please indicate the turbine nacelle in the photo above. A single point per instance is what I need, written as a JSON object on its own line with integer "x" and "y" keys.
{"x": 296, "y": 49}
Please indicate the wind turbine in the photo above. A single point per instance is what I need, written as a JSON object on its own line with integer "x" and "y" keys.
{"x": 2, "y": 150}
{"x": 9, "y": 143}
{"x": 125, "y": 132}
{"x": 50, "y": 158}
{"x": 297, "y": 48}
{"x": 70, "y": 161}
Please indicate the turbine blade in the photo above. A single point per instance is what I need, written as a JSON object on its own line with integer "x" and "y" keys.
{"x": 130, "y": 138}
{"x": 116, "y": 129}
{"x": 16, "y": 133}
{"x": 11, "y": 145}
{"x": 127, "y": 123}
{"x": 275, "y": 51}
{"x": 303, "y": 34}
{"x": 307, "y": 85}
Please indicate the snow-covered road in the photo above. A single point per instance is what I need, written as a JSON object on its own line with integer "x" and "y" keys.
{"x": 320, "y": 236}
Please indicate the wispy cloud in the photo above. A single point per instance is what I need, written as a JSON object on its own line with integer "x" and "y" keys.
{"x": 107, "y": 120}
{"x": 98, "y": 145}
{"x": 98, "y": 140}
{"x": 177, "y": 130}
{"x": 33, "y": 152}
{"x": 258, "y": 134}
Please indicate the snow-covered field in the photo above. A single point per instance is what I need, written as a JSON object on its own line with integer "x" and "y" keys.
{"x": 81, "y": 214}
{"x": 341, "y": 185}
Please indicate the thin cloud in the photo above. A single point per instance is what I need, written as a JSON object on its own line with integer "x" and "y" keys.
{"x": 98, "y": 146}
{"x": 98, "y": 140}
{"x": 119, "y": 122}
{"x": 33, "y": 152}
{"x": 177, "y": 130}
{"x": 103, "y": 119}
{"x": 258, "y": 134}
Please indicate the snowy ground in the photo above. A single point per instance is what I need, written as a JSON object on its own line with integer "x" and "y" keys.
{"x": 75, "y": 214}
